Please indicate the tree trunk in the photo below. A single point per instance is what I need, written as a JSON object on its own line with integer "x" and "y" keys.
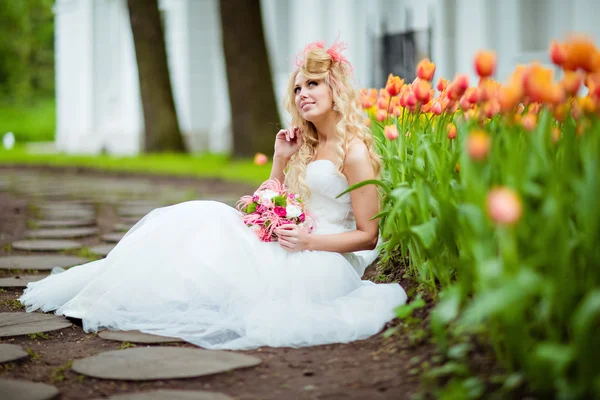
{"x": 162, "y": 132}
{"x": 254, "y": 113}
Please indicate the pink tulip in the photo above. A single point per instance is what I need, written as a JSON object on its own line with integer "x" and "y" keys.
{"x": 504, "y": 206}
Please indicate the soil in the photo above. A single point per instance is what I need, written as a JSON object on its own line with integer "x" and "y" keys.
{"x": 377, "y": 368}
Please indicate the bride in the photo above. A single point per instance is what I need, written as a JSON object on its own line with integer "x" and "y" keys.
{"x": 195, "y": 271}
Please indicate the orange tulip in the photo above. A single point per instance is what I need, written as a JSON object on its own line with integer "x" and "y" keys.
{"x": 451, "y": 131}
{"x": 381, "y": 115}
{"x": 485, "y": 63}
{"x": 260, "y": 159}
{"x": 368, "y": 122}
{"x": 422, "y": 90}
{"x": 571, "y": 82}
{"x": 491, "y": 108}
{"x": 504, "y": 206}
{"x": 509, "y": 97}
{"x": 442, "y": 84}
{"x": 580, "y": 52}
{"x": 425, "y": 70}
{"x": 556, "y": 134}
{"x": 558, "y": 53}
{"x": 393, "y": 85}
{"x": 529, "y": 121}
{"x": 478, "y": 145}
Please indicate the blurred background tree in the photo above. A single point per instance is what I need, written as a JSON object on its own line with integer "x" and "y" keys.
{"x": 255, "y": 117}
{"x": 161, "y": 129}
{"x": 26, "y": 50}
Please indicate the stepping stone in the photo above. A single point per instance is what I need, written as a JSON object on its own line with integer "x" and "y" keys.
{"x": 65, "y": 223}
{"x": 123, "y": 227}
{"x": 45, "y": 245}
{"x": 167, "y": 394}
{"x": 65, "y": 233}
{"x": 70, "y": 214}
{"x": 46, "y": 262}
{"x": 103, "y": 249}
{"x": 24, "y": 390}
{"x": 24, "y": 323}
{"x": 61, "y": 206}
{"x": 147, "y": 363}
{"x": 11, "y": 352}
{"x": 136, "y": 337}
{"x": 113, "y": 237}
{"x": 20, "y": 281}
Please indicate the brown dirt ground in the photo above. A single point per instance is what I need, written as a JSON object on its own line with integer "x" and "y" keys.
{"x": 376, "y": 368}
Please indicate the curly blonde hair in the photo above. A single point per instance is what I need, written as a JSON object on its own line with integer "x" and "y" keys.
{"x": 319, "y": 65}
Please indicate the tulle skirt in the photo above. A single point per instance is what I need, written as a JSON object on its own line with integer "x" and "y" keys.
{"x": 196, "y": 272}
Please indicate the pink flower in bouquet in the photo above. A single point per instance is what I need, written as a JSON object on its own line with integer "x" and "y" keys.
{"x": 271, "y": 206}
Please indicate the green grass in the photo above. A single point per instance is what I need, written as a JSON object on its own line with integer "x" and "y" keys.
{"x": 196, "y": 165}
{"x": 36, "y": 122}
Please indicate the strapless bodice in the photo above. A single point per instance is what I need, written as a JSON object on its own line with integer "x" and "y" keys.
{"x": 331, "y": 214}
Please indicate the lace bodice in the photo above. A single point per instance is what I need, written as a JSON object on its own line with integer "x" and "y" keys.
{"x": 332, "y": 215}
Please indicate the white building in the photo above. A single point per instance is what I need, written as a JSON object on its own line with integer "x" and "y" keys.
{"x": 98, "y": 100}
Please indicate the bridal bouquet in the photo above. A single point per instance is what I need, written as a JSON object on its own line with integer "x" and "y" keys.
{"x": 271, "y": 206}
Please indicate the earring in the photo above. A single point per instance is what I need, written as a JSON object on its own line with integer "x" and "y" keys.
{"x": 335, "y": 107}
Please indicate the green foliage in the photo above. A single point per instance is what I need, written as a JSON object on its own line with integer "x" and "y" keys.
{"x": 196, "y": 165}
{"x": 532, "y": 289}
{"x": 34, "y": 122}
{"x": 26, "y": 50}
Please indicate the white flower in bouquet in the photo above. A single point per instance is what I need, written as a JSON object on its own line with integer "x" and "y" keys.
{"x": 292, "y": 211}
{"x": 268, "y": 194}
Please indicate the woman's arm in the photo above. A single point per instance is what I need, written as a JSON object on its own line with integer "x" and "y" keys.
{"x": 365, "y": 204}
{"x": 278, "y": 168}
{"x": 287, "y": 142}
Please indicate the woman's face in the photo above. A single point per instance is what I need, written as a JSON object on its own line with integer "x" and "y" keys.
{"x": 313, "y": 98}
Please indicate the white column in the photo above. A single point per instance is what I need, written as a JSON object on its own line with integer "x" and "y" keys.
{"x": 471, "y": 35}
{"x": 443, "y": 40}
{"x": 508, "y": 37}
{"x": 74, "y": 76}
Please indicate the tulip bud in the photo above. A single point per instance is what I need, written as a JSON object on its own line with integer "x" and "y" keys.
{"x": 391, "y": 132}
{"x": 478, "y": 145}
{"x": 485, "y": 63}
{"x": 451, "y": 131}
{"x": 381, "y": 115}
{"x": 436, "y": 108}
{"x": 442, "y": 84}
{"x": 260, "y": 159}
{"x": 504, "y": 206}
{"x": 425, "y": 70}
{"x": 571, "y": 82}
{"x": 529, "y": 121}
{"x": 394, "y": 84}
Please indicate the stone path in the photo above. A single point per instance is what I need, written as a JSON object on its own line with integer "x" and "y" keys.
{"x": 20, "y": 323}
{"x": 136, "y": 337}
{"x": 135, "y": 365}
{"x": 148, "y": 363}
{"x": 64, "y": 224}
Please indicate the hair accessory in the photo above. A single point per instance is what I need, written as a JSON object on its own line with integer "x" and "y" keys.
{"x": 334, "y": 51}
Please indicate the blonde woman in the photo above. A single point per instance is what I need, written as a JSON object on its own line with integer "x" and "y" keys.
{"x": 196, "y": 272}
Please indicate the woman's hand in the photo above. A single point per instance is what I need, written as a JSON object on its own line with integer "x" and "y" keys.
{"x": 292, "y": 238}
{"x": 287, "y": 142}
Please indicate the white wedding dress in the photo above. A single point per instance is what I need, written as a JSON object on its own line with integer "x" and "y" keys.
{"x": 196, "y": 272}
